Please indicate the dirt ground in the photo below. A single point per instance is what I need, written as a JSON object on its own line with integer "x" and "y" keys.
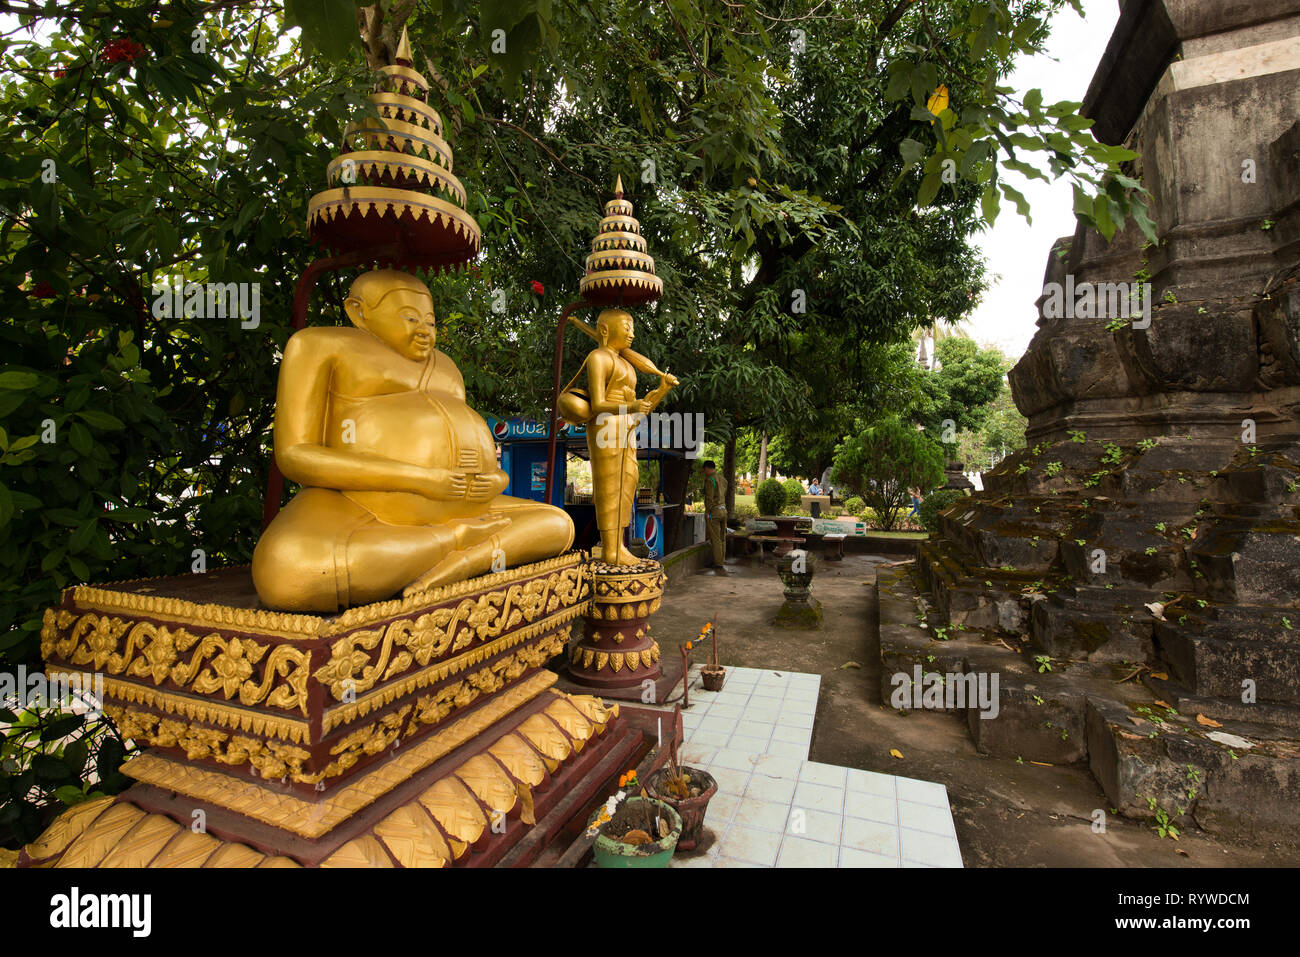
{"x": 1006, "y": 814}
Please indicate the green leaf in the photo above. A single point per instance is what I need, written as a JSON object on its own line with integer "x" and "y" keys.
{"x": 329, "y": 27}
{"x": 19, "y": 380}
{"x": 62, "y": 727}
{"x": 1141, "y": 215}
{"x": 101, "y": 420}
{"x": 50, "y": 769}
{"x": 929, "y": 189}
{"x": 1017, "y": 197}
{"x": 913, "y": 152}
{"x": 990, "y": 204}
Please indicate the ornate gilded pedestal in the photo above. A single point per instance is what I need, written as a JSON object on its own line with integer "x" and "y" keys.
{"x": 418, "y": 732}
{"x": 616, "y": 650}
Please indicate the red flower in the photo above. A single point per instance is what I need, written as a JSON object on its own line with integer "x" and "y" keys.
{"x": 123, "y": 48}
{"x": 43, "y": 290}
{"x": 539, "y": 288}
{"x": 60, "y": 74}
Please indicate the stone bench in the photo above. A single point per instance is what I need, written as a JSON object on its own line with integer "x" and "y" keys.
{"x": 833, "y": 546}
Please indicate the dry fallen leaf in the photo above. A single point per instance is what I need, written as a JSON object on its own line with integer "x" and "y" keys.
{"x": 850, "y": 664}
{"x": 1131, "y": 737}
{"x": 1160, "y": 676}
{"x": 895, "y": 753}
{"x": 1157, "y": 610}
{"x": 1179, "y": 850}
{"x": 1208, "y": 722}
{"x": 1163, "y": 704}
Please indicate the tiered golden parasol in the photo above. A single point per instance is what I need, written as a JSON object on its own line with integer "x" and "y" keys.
{"x": 393, "y": 187}
{"x": 619, "y": 272}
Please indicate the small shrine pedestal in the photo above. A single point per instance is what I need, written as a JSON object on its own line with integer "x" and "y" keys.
{"x": 801, "y": 609}
{"x": 616, "y": 650}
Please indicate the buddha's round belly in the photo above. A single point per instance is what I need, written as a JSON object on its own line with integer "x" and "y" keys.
{"x": 431, "y": 430}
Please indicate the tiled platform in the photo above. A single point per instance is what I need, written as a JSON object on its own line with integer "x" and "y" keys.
{"x": 775, "y": 808}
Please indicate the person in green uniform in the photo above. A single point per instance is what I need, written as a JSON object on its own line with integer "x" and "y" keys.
{"x": 715, "y": 515}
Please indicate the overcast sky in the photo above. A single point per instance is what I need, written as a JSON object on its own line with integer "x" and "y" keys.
{"x": 1016, "y": 251}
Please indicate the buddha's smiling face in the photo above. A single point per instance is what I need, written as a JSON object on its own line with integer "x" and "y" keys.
{"x": 620, "y": 332}
{"x": 404, "y": 319}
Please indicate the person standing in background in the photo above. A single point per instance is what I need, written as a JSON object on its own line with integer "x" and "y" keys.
{"x": 715, "y": 515}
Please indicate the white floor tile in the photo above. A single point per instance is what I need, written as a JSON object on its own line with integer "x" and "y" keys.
{"x": 922, "y": 817}
{"x": 872, "y": 807}
{"x": 922, "y": 792}
{"x": 930, "y": 849}
{"x": 787, "y": 749}
{"x": 852, "y": 857}
{"x": 871, "y": 836}
{"x": 697, "y": 754}
{"x": 776, "y": 766}
{"x": 735, "y": 760}
{"x": 730, "y": 781}
{"x": 722, "y": 725}
{"x": 721, "y": 809}
{"x": 798, "y": 852}
{"x": 872, "y": 782}
{"x": 751, "y": 844}
{"x": 828, "y": 774}
{"x": 823, "y": 826}
{"x": 764, "y": 815}
{"x": 719, "y": 710}
{"x": 744, "y": 742}
{"x": 771, "y": 789}
{"x": 785, "y": 732}
{"x": 708, "y": 739}
{"x": 775, "y": 808}
{"x": 819, "y": 797}
{"x": 794, "y": 719}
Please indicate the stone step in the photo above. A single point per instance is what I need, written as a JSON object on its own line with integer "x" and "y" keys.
{"x": 1040, "y": 715}
{"x": 1175, "y": 766}
{"x": 1214, "y": 658}
{"x": 1262, "y": 715}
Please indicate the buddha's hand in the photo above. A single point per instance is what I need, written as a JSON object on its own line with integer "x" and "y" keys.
{"x": 487, "y": 485}
{"x": 669, "y": 379}
{"x": 446, "y": 486}
{"x": 645, "y": 406}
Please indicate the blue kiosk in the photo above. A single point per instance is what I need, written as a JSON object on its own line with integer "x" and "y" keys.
{"x": 523, "y": 457}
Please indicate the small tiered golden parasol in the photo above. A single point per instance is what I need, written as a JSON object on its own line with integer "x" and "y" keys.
{"x": 619, "y": 272}
{"x": 392, "y": 185}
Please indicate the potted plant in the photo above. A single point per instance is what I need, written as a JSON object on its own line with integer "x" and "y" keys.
{"x": 634, "y": 831}
{"x": 713, "y": 675}
{"x": 687, "y": 792}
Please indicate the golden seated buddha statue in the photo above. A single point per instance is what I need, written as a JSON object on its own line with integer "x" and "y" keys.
{"x": 401, "y": 490}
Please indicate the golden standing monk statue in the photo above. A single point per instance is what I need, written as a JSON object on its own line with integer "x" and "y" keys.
{"x": 611, "y": 411}
{"x": 401, "y": 490}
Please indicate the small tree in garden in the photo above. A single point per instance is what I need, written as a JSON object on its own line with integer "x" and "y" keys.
{"x": 883, "y": 462}
{"x": 770, "y": 497}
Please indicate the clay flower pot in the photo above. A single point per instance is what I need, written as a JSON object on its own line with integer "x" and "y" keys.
{"x": 611, "y": 852}
{"x": 691, "y": 809}
{"x": 713, "y": 676}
